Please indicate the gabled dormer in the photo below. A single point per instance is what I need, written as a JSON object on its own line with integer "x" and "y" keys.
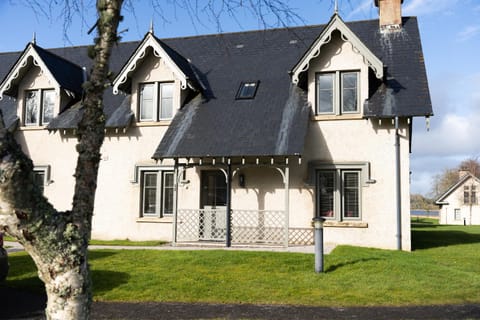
{"x": 335, "y": 71}
{"x": 42, "y": 84}
{"x": 159, "y": 80}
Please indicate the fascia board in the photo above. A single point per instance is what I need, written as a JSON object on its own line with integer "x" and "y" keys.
{"x": 336, "y": 23}
{"x": 22, "y": 63}
{"x": 159, "y": 52}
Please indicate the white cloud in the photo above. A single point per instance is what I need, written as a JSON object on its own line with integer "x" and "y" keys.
{"x": 454, "y": 132}
{"x": 468, "y": 33}
{"x": 424, "y": 7}
{"x": 363, "y": 9}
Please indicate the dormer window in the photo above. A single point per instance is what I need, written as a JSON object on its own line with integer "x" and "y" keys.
{"x": 337, "y": 92}
{"x": 156, "y": 101}
{"x": 39, "y": 107}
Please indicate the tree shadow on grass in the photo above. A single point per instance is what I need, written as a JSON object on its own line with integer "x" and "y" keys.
{"x": 24, "y": 293}
{"x": 426, "y": 239}
{"x": 104, "y": 281}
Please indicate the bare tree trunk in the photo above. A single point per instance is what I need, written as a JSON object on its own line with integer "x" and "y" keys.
{"x": 58, "y": 241}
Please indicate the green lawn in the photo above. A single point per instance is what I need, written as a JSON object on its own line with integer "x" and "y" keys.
{"x": 443, "y": 269}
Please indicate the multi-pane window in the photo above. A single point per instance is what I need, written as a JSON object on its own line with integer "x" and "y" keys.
{"x": 157, "y": 193}
{"x": 338, "y": 194}
{"x": 466, "y": 195}
{"x": 469, "y": 195}
{"x": 39, "y": 106}
{"x": 457, "y": 214}
{"x": 351, "y": 194}
{"x": 337, "y": 92}
{"x": 156, "y": 101}
{"x": 473, "y": 195}
{"x": 326, "y": 190}
{"x": 41, "y": 176}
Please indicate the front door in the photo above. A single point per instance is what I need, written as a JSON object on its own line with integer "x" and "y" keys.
{"x": 213, "y": 201}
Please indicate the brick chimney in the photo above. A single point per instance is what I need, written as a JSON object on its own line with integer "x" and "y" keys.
{"x": 390, "y": 12}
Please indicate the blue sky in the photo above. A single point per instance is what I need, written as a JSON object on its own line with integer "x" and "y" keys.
{"x": 450, "y": 31}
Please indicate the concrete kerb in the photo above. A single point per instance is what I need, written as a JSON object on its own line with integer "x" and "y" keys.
{"x": 15, "y": 247}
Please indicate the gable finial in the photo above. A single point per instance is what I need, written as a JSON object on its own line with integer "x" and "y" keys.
{"x": 151, "y": 26}
{"x": 34, "y": 38}
{"x": 336, "y": 6}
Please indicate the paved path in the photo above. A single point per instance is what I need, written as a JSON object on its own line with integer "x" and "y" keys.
{"x": 17, "y": 304}
{"x": 15, "y": 247}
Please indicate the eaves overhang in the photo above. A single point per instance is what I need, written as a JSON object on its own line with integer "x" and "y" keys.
{"x": 336, "y": 23}
{"x": 14, "y": 76}
{"x": 149, "y": 42}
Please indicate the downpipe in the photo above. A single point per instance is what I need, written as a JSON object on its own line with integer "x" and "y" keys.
{"x": 398, "y": 184}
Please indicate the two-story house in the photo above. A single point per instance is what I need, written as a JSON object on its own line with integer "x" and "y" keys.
{"x": 238, "y": 138}
{"x": 459, "y": 203}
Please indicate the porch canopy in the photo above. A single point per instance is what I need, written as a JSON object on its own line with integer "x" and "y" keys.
{"x": 265, "y": 131}
{"x": 219, "y": 126}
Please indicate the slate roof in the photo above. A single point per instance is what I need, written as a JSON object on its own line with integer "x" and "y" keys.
{"x": 180, "y": 61}
{"x": 68, "y": 75}
{"x": 223, "y": 126}
{"x": 275, "y": 122}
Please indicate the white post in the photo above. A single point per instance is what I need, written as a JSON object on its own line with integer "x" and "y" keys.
{"x": 175, "y": 203}
{"x": 287, "y": 204}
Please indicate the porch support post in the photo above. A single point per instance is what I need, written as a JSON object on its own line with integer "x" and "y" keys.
{"x": 229, "y": 207}
{"x": 287, "y": 203}
{"x": 175, "y": 202}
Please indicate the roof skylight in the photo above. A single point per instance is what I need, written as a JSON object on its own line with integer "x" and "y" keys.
{"x": 247, "y": 90}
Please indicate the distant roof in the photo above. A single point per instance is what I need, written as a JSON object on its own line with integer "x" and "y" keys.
{"x": 455, "y": 186}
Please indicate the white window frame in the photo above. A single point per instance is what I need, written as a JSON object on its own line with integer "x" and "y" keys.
{"x": 338, "y": 93}
{"x": 363, "y": 171}
{"x": 40, "y": 104}
{"x": 160, "y": 188}
{"x": 158, "y": 99}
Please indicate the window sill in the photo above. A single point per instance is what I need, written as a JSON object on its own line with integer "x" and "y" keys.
{"x": 153, "y": 123}
{"x": 32, "y": 128}
{"x": 345, "y": 224}
{"x": 154, "y": 220}
{"x": 355, "y": 116}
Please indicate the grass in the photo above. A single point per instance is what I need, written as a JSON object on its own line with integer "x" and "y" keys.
{"x": 442, "y": 270}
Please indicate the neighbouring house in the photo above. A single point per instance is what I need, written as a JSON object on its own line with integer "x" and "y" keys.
{"x": 238, "y": 138}
{"x": 459, "y": 204}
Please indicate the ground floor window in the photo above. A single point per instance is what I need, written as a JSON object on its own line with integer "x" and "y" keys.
{"x": 41, "y": 174}
{"x": 457, "y": 214}
{"x": 157, "y": 193}
{"x": 338, "y": 194}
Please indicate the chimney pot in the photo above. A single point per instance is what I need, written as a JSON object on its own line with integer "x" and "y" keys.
{"x": 390, "y": 12}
